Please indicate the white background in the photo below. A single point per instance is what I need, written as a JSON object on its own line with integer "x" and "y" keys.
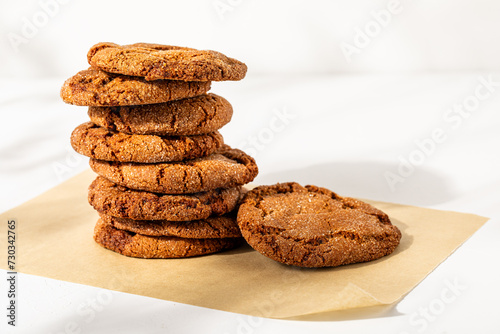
{"x": 270, "y": 36}
{"x": 348, "y": 122}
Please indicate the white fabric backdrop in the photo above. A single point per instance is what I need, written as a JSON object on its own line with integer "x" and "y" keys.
{"x": 51, "y": 37}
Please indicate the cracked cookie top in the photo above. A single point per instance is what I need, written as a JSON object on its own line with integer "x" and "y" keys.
{"x": 117, "y": 201}
{"x": 93, "y": 87}
{"x": 190, "y": 116}
{"x": 314, "y": 227}
{"x": 99, "y": 143}
{"x": 156, "y": 61}
{"x": 226, "y": 168}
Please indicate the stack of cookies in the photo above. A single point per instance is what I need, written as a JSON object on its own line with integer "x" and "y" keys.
{"x": 167, "y": 185}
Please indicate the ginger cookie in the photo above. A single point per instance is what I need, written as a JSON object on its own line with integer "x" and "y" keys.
{"x": 114, "y": 200}
{"x": 191, "y": 116}
{"x": 212, "y": 227}
{"x": 99, "y": 143}
{"x": 148, "y": 247}
{"x": 314, "y": 227}
{"x": 224, "y": 169}
{"x": 155, "y": 61}
{"x": 93, "y": 87}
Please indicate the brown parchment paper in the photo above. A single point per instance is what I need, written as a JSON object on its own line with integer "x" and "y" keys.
{"x": 54, "y": 239}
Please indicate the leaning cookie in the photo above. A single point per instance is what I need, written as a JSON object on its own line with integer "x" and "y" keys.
{"x": 148, "y": 247}
{"x": 155, "y": 61}
{"x": 314, "y": 227}
{"x": 93, "y": 87}
{"x": 224, "y": 169}
{"x": 117, "y": 201}
{"x": 191, "y": 116}
{"x": 224, "y": 226}
{"x": 95, "y": 142}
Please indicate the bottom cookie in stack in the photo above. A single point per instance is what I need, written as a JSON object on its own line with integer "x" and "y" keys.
{"x": 149, "y": 225}
{"x": 165, "y": 246}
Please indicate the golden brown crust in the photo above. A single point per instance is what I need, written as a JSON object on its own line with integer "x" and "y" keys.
{"x": 191, "y": 116}
{"x": 149, "y": 247}
{"x": 212, "y": 227}
{"x": 99, "y": 143}
{"x": 314, "y": 227}
{"x": 224, "y": 169}
{"x": 93, "y": 87}
{"x": 154, "y": 62}
{"x": 117, "y": 201}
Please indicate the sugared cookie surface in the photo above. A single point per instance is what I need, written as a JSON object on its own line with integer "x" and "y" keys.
{"x": 224, "y": 226}
{"x": 102, "y": 144}
{"x": 143, "y": 246}
{"x": 93, "y": 87}
{"x": 156, "y": 61}
{"x": 224, "y": 169}
{"x": 192, "y": 116}
{"x": 114, "y": 200}
{"x": 314, "y": 227}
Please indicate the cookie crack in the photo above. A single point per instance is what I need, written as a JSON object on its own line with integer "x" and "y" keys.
{"x": 119, "y": 170}
{"x": 122, "y": 120}
{"x": 216, "y": 232}
{"x": 173, "y": 122}
{"x": 206, "y": 116}
{"x": 317, "y": 240}
{"x": 382, "y": 218}
{"x": 159, "y": 176}
{"x": 184, "y": 179}
{"x": 112, "y": 148}
{"x": 200, "y": 176}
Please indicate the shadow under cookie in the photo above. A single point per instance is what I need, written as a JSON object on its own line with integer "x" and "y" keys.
{"x": 366, "y": 179}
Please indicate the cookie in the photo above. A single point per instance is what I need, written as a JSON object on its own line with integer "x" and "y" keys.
{"x": 137, "y": 245}
{"x": 314, "y": 227}
{"x": 155, "y": 61}
{"x": 93, "y": 87}
{"x": 191, "y": 116}
{"x": 117, "y": 201}
{"x": 99, "y": 143}
{"x": 212, "y": 227}
{"x": 224, "y": 169}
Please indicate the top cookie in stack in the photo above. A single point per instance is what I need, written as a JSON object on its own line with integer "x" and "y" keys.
{"x": 167, "y": 183}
